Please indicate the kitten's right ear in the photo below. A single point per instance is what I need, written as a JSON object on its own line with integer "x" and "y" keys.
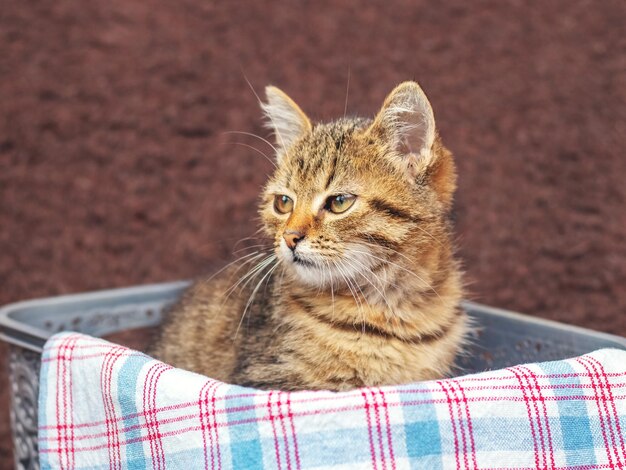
{"x": 284, "y": 117}
{"x": 406, "y": 121}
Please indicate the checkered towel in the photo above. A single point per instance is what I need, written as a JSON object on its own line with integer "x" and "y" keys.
{"x": 106, "y": 406}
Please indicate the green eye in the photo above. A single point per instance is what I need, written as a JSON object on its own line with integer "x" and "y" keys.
{"x": 340, "y": 203}
{"x": 283, "y": 204}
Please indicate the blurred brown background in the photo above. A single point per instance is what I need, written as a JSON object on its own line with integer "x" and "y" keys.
{"x": 115, "y": 168}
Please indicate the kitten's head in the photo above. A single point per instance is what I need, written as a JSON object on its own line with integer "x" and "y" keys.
{"x": 350, "y": 195}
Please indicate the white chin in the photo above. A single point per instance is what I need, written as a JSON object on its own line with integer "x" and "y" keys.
{"x": 311, "y": 275}
{"x": 322, "y": 273}
{"x": 325, "y": 274}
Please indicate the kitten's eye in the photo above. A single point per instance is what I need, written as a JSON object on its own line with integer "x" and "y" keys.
{"x": 283, "y": 204}
{"x": 340, "y": 203}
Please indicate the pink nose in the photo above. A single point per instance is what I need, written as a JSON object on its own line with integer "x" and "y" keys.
{"x": 292, "y": 237}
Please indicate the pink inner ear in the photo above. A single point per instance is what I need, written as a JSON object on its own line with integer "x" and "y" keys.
{"x": 417, "y": 133}
{"x": 408, "y": 118}
{"x": 415, "y": 129}
{"x": 412, "y": 166}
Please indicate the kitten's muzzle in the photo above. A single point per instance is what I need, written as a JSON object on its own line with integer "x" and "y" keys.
{"x": 292, "y": 237}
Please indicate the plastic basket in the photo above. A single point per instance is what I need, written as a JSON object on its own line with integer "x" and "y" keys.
{"x": 501, "y": 339}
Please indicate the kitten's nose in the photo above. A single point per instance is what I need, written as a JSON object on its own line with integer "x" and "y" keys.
{"x": 292, "y": 237}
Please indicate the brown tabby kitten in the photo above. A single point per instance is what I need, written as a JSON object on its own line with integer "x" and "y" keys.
{"x": 362, "y": 288}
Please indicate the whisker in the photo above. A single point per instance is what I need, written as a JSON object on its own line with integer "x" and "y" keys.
{"x": 353, "y": 293}
{"x": 332, "y": 290}
{"x": 255, "y": 253}
{"x": 255, "y": 136}
{"x": 356, "y": 285}
{"x": 260, "y": 245}
{"x": 346, "y": 278}
{"x": 430, "y": 235}
{"x": 381, "y": 293}
{"x": 391, "y": 250}
{"x": 385, "y": 248}
{"x": 252, "y": 237}
{"x": 249, "y": 275}
{"x": 363, "y": 301}
{"x": 345, "y": 106}
{"x": 252, "y": 295}
{"x": 238, "y": 240}
{"x": 269, "y": 115}
{"x": 256, "y": 271}
{"x": 321, "y": 284}
{"x": 427, "y": 284}
{"x": 256, "y": 150}
{"x": 359, "y": 272}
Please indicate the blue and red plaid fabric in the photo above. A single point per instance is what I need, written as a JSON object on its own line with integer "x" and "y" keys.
{"x": 103, "y": 406}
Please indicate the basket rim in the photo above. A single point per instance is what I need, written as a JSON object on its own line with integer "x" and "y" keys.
{"x": 24, "y": 335}
{"x": 19, "y": 333}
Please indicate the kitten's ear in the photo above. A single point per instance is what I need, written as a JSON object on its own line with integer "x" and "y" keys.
{"x": 284, "y": 117}
{"x": 407, "y": 121}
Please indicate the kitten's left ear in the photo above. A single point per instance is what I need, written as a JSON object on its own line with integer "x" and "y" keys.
{"x": 284, "y": 117}
{"x": 407, "y": 121}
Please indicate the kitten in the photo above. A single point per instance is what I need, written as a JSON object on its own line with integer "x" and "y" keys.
{"x": 362, "y": 288}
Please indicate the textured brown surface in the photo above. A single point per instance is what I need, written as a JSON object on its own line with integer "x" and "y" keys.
{"x": 115, "y": 168}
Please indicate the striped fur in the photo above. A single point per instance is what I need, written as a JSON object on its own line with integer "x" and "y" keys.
{"x": 368, "y": 297}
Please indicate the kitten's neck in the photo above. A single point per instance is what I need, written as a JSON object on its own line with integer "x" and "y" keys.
{"x": 395, "y": 298}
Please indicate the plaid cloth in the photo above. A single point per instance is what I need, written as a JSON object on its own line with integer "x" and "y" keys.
{"x": 105, "y": 406}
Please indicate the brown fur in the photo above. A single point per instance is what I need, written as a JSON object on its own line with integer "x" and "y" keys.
{"x": 389, "y": 314}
